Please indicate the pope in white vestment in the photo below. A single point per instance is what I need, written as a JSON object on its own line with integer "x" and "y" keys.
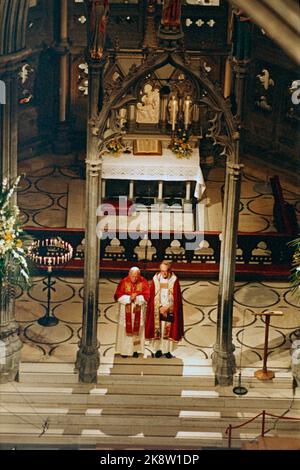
{"x": 132, "y": 295}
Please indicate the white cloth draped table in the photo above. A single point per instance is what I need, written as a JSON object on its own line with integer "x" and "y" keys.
{"x": 166, "y": 167}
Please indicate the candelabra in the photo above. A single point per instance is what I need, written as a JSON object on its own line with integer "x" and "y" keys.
{"x": 49, "y": 254}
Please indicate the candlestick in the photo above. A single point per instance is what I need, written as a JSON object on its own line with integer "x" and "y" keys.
{"x": 187, "y": 111}
{"x": 173, "y": 111}
{"x": 50, "y": 253}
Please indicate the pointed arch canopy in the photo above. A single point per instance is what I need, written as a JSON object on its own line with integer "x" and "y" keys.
{"x": 120, "y": 94}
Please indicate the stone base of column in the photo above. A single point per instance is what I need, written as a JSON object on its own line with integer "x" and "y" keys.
{"x": 224, "y": 366}
{"x": 62, "y": 142}
{"x": 87, "y": 364}
{"x": 10, "y": 354}
{"x": 170, "y": 37}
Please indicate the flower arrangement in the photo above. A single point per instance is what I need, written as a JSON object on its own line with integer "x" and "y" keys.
{"x": 180, "y": 146}
{"x": 13, "y": 264}
{"x": 114, "y": 147}
{"x": 295, "y": 274}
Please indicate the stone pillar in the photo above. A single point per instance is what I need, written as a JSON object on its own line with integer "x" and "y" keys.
{"x": 160, "y": 196}
{"x": 163, "y": 114}
{"x": 10, "y": 343}
{"x": 9, "y": 125}
{"x": 241, "y": 69}
{"x": 223, "y": 357}
{"x": 150, "y": 38}
{"x": 131, "y": 119}
{"x": 196, "y": 119}
{"x": 227, "y": 79}
{"x": 131, "y": 191}
{"x": 188, "y": 192}
{"x": 88, "y": 359}
{"x": 62, "y": 142}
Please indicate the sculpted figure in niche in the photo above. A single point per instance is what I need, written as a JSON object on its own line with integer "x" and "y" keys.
{"x": 98, "y": 18}
{"x": 171, "y": 13}
{"x": 148, "y": 109}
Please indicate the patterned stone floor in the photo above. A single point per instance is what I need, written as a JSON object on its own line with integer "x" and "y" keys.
{"x": 43, "y": 198}
{"x": 43, "y": 195}
{"x": 59, "y": 343}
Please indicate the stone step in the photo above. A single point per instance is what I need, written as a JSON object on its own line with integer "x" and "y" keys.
{"x": 138, "y": 386}
{"x": 202, "y": 400}
{"x": 146, "y": 373}
{"x": 183, "y": 440}
{"x": 165, "y": 412}
{"x": 248, "y": 382}
{"x": 140, "y": 403}
{"x": 97, "y": 417}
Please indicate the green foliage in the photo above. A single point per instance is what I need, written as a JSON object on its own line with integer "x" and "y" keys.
{"x": 13, "y": 264}
{"x": 295, "y": 273}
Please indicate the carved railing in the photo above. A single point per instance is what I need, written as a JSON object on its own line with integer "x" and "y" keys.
{"x": 265, "y": 252}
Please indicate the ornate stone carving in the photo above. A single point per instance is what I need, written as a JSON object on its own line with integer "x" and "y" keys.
{"x": 98, "y": 18}
{"x": 148, "y": 108}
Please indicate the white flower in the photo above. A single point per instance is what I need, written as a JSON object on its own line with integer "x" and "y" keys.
{"x": 24, "y": 274}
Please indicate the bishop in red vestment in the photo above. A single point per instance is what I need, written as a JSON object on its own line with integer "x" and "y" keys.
{"x": 164, "y": 319}
{"x": 132, "y": 295}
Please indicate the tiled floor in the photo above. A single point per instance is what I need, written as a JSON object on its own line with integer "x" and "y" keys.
{"x": 43, "y": 196}
{"x": 43, "y": 199}
{"x": 60, "y": 343}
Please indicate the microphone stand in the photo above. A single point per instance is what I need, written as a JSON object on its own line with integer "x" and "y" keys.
{"x": 240, "y": 389}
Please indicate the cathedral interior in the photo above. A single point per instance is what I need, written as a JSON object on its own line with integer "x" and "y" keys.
{"x": 142, "y": 131}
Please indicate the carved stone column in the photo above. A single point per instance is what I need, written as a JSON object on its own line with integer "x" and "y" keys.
{"x": 196, "y": 123}
{"x": 62, "y": 142}
{"x": 227, "y": 79}
{"x": 88, "y": 358}
{"x": 150, "y": 38}
{"x": 223, "y": 357}
{"x": 163, "y": 114}
{"x": 131, "y": 122}
{"x": 241, "y": 70}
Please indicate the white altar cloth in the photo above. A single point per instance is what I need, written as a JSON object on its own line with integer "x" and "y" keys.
{"x": 166, "y": 167}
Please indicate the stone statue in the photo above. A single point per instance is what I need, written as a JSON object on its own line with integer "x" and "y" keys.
{"x": 171, "y": 13}
{"x": 148, "y": 109}
{"x": 98, "y": 18}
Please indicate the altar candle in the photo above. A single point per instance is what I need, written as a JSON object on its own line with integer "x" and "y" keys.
{"x": 173, "y": 112}
{"x": 187, "y": 105}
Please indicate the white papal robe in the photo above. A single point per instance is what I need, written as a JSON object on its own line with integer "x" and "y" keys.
{"x": 126, "y": 345}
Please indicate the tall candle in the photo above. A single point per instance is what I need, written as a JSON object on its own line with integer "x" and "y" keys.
{"x": 187, "y": 109}
{"x": 173, "y": 111}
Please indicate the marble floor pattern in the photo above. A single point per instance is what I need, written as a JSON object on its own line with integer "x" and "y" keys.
{"x": 60, "y": 343}
{"x": 43, "y": 194}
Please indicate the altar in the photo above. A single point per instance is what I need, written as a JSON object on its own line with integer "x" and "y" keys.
{"x": 161, "y": 168}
